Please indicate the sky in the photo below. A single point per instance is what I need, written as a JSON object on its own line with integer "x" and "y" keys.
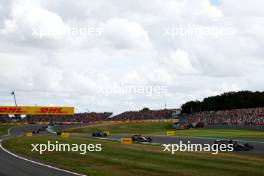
{"x": 118, "y": 55}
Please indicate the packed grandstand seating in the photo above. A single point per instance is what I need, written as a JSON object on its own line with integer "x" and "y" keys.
{"x": 91, "y": 117}
{"x": 145, "y": 114}
{"x": 87, "y": 117}
{"x": 250, "y": 116}
{"x": 78, "y": 117}
{"x": 4, "y": 118}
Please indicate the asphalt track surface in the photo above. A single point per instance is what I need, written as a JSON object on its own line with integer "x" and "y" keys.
{"x": 13, "y": 166}
{"x": 258, "y": 145}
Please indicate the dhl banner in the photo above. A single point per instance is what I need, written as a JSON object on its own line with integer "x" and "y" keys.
{"x": 37, "y": 110}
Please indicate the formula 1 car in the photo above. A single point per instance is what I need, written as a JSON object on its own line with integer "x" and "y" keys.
{"x": 243, "y": 147}
{"x": 39, "y": 130}
{"x": 43, "y": 128}
{"x": 35, "y": 132}
{"x": 141, "y": 138}
{"x": 99, "y": 134}
{"x": 237, "y": 146}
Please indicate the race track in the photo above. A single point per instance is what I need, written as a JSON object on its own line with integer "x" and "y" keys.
{"x": 258, "y": 145}
{"x": 13, "y": 166}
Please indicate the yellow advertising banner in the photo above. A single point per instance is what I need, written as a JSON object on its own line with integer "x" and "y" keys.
{"x": 29, "y": 134}
{"x": 107, "y": 132}
{"x": 170, "y": 133}
{"x": 37, "y": 110}
{"x": 126, "y": 141}
{"x": 65, "y": 135}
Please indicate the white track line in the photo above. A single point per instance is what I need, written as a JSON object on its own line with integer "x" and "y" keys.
{"x": 35, "y": 162}
{"x": 8, "y": 132}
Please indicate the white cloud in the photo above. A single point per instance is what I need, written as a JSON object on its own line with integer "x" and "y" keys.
{"x": 122, "y": 33}
{"x": 247, "y": 9}
{"x": 180, "y": 61}
{"x": 131, "y": 50}
{"x": 29, "y": 19}
{"x": 210, "y": 10}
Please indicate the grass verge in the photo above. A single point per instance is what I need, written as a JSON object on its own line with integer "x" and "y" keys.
{"x": 4, "y": 129}
{"x": 162, "y": 127}
{"x": 137, "y": 159}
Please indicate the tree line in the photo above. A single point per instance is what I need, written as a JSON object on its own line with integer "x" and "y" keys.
{"x": 226, "y": 101}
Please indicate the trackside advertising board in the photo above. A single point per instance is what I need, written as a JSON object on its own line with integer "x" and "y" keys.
{"x": 37, "y": 110}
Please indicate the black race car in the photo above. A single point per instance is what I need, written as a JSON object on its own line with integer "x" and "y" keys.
{"x": 243, "y": 147}
{"x": 141, "y": 138}
{"x": 42, "y": 128}
{"x": 99, "y": 134}
{"x": 39, "y": 130}
{"x": 236, "y": 145}
{"x": 35, "y": 132}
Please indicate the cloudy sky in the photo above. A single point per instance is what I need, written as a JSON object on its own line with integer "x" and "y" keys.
{"x": 116, "y": 55}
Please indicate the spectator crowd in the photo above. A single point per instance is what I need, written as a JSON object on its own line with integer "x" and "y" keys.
{"x": 145, "y": 115}
{"x": 250, "y": 116}
{"x": 78, "y": 117}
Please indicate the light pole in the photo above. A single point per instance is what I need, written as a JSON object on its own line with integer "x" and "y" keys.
{"x": 13, "y": 93}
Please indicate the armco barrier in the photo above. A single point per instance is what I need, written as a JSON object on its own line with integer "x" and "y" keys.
{"x": 249, "y": 127}
{"x": 142, "y": 121}
{"x": 13, "y": 123}
{"x": 96, "y": 122}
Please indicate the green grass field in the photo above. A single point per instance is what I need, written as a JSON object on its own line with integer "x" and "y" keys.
{"x": 4, "y": 129}
{"x": 142, "y": 160}
{"x": 162, "y": 127}
{"x": 146, "y": 128}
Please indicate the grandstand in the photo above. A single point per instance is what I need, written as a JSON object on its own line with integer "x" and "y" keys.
{"x": 235, "y": 117}
{"x": 246, "y": 117}
{"x": 146, "y": 114}
{"x": 78, "y": 117}
{"x": 242, "y": 109}
{"x": 209, "y": 114}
